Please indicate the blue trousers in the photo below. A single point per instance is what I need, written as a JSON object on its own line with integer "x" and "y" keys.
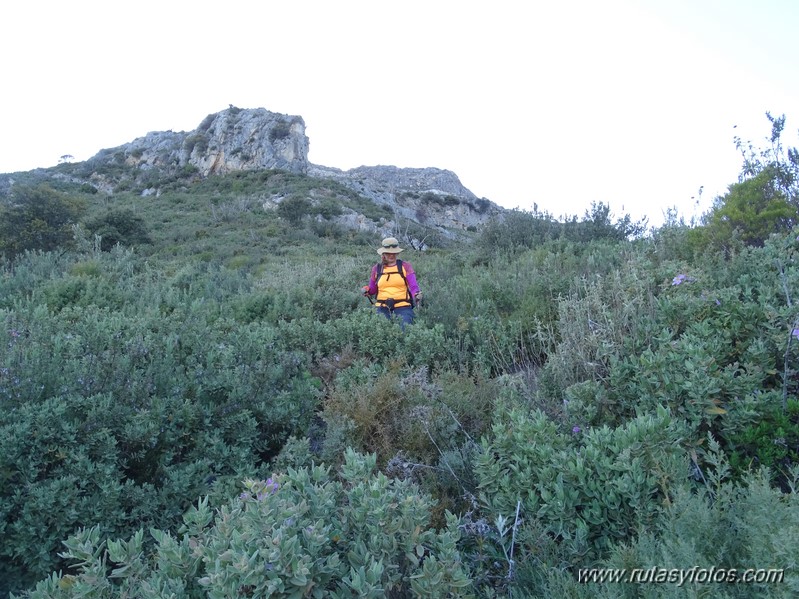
{"x": 405, "y": 314}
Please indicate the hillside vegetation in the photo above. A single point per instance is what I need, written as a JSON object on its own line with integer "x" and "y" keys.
{"x": 196, "y": 401}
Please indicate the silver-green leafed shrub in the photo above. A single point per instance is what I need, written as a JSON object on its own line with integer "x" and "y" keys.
{"x": 596, "y": 318}
{"x": 302, "y": 533}
{"x": 585, "y": 489}
{"x": 720, "y": 527}
{"x": 122, "y": 418}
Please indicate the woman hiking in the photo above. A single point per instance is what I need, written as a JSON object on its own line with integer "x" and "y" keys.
{"x": 394, "y": 283}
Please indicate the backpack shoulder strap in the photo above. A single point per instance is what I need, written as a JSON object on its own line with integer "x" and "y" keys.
{"x": 401, "y": 271}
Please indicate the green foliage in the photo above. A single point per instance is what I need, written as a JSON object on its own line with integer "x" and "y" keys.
{"x": 439, "y": 199}
{"x": 597, "y": 224}
{"x": 406, "y": 417}
{"x": 764, "y": 201}
{"x": 754, "y": 209}
{"x": 775, "y": 157}
{"x": 480, "y": 206}
{"x": 236, "y": 345}
{"x": 294, "y": 209}
{"x": 329, "y": 208}
{"x": 773, "y": 443}
{"x": 518, "y": 229}
{"x": 720, "y": 526}
{"x": 122, "y": 415}
{"x": 37, "y": 218}
{"x": 207, "y": 122}
{"x": 119, "y": 226}
{"x": 586, "y": 488}
{"x": 709, "y": 343}
{"x": 198, "y": 141}
{"x": 300, "y": 533}
{"x": 600, "y": 316}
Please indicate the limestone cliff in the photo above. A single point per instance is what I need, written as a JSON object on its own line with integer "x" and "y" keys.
{"x": 429, "y": 196}
{"x": 234, "y": 139}
{"x": 239, "y": 139}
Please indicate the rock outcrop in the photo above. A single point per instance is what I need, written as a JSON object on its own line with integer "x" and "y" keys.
{"x": 249, "y": 139}
{"x": 429, "y": 196}
{"x": 231, "y": 140}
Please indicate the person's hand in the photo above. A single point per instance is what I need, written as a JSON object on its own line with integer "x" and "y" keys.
{"x": 418, "y": 296}
{"x": 365, "y": 290}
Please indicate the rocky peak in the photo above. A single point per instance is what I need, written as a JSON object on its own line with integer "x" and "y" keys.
{"x": 251, "y": 139}
{"x": 230, "y": 140}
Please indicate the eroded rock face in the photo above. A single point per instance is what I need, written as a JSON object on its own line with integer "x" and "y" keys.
{"x": 383, "y": 183}
{"x": 252, "y": 139}
{"x": 232, "y": 140}
{"x": 247, "y": 140}
{"x": 429, "y": 196}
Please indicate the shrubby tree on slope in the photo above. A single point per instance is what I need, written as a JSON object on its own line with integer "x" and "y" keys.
{"x": 119, "y": 226}
{"x": 766, "y": 198}
{"x": 37, "y": 218}
{"x": 754, "y": 209}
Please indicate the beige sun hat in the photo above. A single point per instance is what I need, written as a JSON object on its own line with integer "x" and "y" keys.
{"x": 390, "y": 245}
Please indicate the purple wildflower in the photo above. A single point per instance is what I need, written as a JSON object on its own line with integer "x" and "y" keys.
{"x": 269, "y": 487}
{"x": 576, "y": 430}
{"x": 682, "y": 278}
{"x": 795, "y": 332}
{"x": 259, "y": 490}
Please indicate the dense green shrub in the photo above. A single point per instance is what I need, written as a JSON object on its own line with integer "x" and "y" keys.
{"x": 439, "y": 199}
{"x": 720, "y": 527}
{"x": 772, "y": 442}
{"x": 294, "y": 209}
{"x": 37, "y": 218}
{"x": 597, "y": 318}
{"x": 754, "y": 208}
{"x": 197, "y": 141}
{"x": 710, "y": 341}
{"x": 405, "y": 411}
{"x": 119, "y": 226}
{"x": 128, "y": 415}
{"x": 517, "y": 230}
{"x": 585, "y": 489}
{"x": 300, "y": 533}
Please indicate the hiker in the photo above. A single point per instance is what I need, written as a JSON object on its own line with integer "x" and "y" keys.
{"x": 396, "y": 295}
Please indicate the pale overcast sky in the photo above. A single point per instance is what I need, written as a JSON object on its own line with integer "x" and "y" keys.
{"x": 559, "y": 104}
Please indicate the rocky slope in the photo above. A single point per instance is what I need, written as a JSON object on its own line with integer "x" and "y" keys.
{"x": 231, "y": 140}
{"x": 238, "y": 139}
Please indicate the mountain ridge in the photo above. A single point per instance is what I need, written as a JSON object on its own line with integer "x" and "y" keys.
{"x": 237, "y": 139}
